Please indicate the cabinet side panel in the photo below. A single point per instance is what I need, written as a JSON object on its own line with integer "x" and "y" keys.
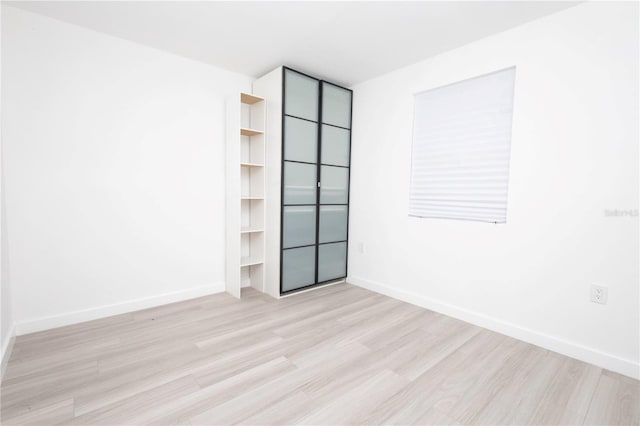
{"x": 270, "y": 88}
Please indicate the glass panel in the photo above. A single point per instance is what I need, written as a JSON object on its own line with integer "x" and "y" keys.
{"x": 298, "y": 267}
{"x": 334, "y": 187}
{"x": 333, "y": 223}
{"x": 300, "y": 140}
{"x": 299, "y": 226}
{"x": 335, "y": 145}
{"x": 332, "y": 261}
{"x": 336, "y": 106}
{"x": 301, "y": 95}
{"x": 300, "y": 183}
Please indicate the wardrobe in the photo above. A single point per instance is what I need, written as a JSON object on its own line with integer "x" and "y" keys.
{"x": 307, "y": 146}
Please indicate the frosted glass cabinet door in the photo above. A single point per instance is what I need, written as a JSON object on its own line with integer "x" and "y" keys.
{"x": 332, "y": 261}
{"x": 316, "y": 156}
{"x": 336, "y": 105}
{"x": 333, "y": 224}
{"x": 335, "y": 146}
{"x": 334, "y": 186}
{"x": 300, "y": 140}
{"x": 298, "y": 267}
{"x": 301, "y": 95}
{"x": 299, "y": 226}
{"x": 300, "y": 183}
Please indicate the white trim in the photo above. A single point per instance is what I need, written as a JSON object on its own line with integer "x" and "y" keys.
{"x": 571, "y": 349}
{"x": 340, "y": 281}
{"x": 45, "y": 323}
{"x": 7, "y": 348}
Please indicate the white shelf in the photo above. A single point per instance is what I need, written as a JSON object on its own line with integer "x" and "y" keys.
{"x": 251, "y": 230}
{"x": 250, "y": 261}
{"x": 245, "y": 229}
{"x": 248, "y": 99}
{"x": 250, "y": 132}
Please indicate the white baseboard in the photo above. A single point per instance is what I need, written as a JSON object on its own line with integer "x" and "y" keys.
{"x": 7, "y": 347}
{"x": 46, "y": 323}
{"x": 592, "y": 356}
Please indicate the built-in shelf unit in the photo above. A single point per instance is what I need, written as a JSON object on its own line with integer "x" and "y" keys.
{"x": 245, "y": 200}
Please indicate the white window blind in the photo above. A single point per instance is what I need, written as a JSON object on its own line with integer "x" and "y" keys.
{"x": 461, "y": 149}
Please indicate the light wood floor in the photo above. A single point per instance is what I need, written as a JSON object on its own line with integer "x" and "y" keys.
{"x": 337, "y": 355}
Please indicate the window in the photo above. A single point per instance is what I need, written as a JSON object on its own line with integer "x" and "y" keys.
{"x": 461, "y": 149}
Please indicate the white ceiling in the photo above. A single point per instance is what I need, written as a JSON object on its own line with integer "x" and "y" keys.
{"x": 345, "y": 42}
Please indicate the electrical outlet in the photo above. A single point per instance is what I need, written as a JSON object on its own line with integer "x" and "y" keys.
{"x": 361, "y": 248}
{"x": 599, "y": 294}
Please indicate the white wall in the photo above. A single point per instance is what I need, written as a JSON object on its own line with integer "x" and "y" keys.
{"x": 574, "y": 155}
{"x": 6, "y": 316}
{"x": 114, "y": 169}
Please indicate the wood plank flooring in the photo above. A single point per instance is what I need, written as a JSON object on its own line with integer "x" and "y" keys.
{"x": 336, "y": 355}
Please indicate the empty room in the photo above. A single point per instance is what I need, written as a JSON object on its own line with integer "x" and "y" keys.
{"x": 320, "y": 213}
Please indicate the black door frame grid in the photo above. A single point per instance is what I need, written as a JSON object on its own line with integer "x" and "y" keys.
{"x": 318, "y": 165}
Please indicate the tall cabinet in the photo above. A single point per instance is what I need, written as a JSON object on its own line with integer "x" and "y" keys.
{"x": 306, "y": 180}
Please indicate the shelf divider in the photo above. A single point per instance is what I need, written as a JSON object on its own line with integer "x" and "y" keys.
{"x": 248, "y": 99}
{"x": 250, "y": 261}
{"x": 250, "y": 132}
